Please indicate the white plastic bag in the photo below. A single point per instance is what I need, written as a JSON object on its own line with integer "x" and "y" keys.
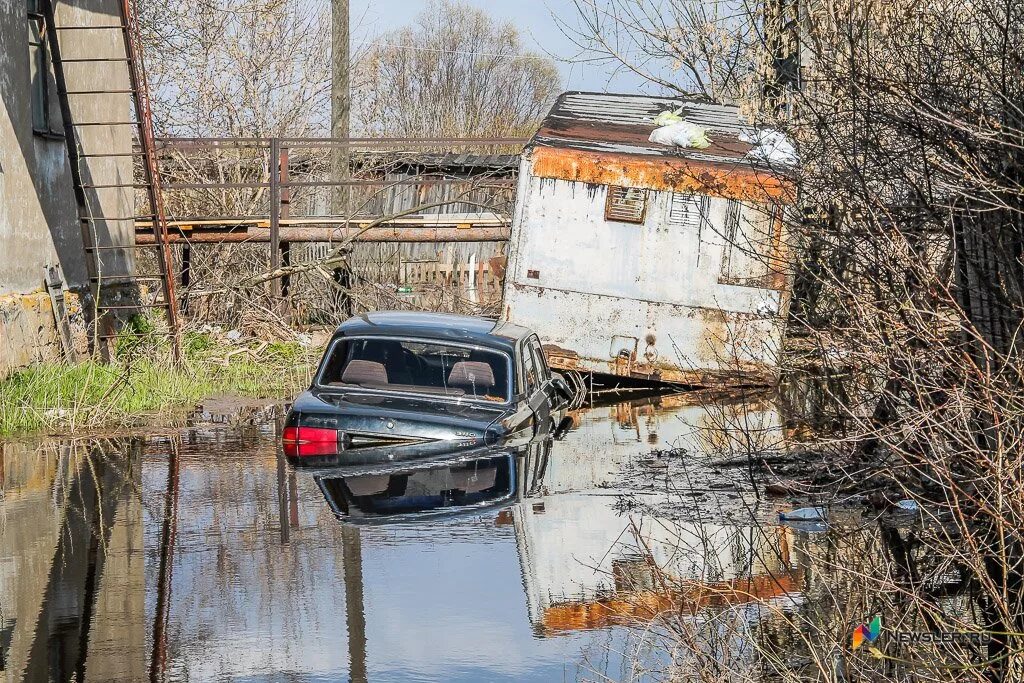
{"x": 681, "y": 134}
{"x": 803, "y": 515}
{"x": 772, "y": 147}
{"x": 668, "y": 117}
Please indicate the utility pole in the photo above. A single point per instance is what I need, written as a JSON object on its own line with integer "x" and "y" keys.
{"x": 341, "y": 101}
{"x": 341, "y": 119}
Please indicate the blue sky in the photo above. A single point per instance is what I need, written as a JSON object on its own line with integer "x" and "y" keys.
{"x": 370, "y": 18}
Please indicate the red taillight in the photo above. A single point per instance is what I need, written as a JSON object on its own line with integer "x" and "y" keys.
{"x": 305, "y": 441}
{"x": 305, "y": 450}
{"x": 309, "y": 435}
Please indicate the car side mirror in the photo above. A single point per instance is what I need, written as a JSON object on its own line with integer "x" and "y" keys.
{"x": 562, "y": 388}
{"x": 563, "y": 428}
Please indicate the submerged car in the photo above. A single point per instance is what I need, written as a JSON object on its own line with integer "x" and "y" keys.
{"x": 401, "y": 385}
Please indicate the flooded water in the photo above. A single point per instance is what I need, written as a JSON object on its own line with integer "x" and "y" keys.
{"x": 204, "y": 556}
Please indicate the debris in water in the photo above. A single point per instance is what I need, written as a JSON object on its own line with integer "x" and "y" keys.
{"x": 816, "y": 514}
{"x": 785, "y": 487}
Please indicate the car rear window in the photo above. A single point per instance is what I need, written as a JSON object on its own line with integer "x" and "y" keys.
{"x": 414, "y": 366}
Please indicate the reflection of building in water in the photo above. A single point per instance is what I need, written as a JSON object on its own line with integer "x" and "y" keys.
{"x": 585, "y": 563}
{"x": 606, "y": 438}
{"x": 71, "y": 565}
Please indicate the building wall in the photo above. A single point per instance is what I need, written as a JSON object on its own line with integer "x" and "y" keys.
{"x": 38, "y": 219}
{"x": 657, "y": 290}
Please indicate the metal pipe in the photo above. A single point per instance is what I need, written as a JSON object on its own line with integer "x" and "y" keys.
{"x": 212, "y": 142}
{"x": 418, "y": 234}
{"x": 337, "y": 183}
{"x": 275, "y": 215}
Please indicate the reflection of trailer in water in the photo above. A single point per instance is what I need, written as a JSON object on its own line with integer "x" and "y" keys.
{"x": 585, "y": 564}
{"x": 639, "y": 260}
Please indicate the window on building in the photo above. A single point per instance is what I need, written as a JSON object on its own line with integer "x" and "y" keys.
{"x": 688, "y": 210}
{"x": 751, "y": 232}
{"x": 39, "y": 72}
{"x": 625, "y": 204}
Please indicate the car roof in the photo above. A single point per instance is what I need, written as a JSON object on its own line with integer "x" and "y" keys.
{"x": 440, "y": 326}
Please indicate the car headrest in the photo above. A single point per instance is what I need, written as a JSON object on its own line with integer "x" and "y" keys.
{"x": 364, "y": 372}
{"x": 368, "y": 484}
{"x": 471, "y": 373}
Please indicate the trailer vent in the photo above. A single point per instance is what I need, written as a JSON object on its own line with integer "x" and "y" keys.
{"x": 626, "y": 204}
{"x": 688, "y": 210}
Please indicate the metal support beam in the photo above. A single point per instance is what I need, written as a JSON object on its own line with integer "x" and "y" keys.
{"x": 416, "y": 234}
{"x": 186, "y": 275}
{"x": 285, "y": 214}
{"x": 275, "y": 215}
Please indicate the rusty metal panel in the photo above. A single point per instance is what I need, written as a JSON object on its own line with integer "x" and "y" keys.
{"x": 732, "y": 180}
{"x": 625, "y": 204}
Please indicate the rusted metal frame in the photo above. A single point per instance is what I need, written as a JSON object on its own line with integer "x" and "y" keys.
{"x": 313, "y": 142}
{"x": 144, "y": 117}
{"x": 285, "y": 213}
{"x": 275, "y": 215}
{"x": 334, "y": 234}
{"x": 334, "y": 183}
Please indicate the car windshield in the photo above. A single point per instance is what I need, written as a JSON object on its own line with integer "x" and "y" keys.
{"x": 421, "y": 367}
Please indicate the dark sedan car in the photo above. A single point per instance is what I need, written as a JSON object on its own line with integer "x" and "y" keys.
{"x": 399, "y": 385}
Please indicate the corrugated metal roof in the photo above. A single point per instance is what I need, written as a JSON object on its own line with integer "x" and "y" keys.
{"x": 465, "y": 161}
{"x": 601, "y": 122}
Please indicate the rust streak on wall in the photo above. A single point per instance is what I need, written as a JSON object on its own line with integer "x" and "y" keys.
{"x": 661, "y": 173}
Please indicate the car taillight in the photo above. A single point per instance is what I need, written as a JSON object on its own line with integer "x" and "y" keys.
{"x": 306, "y": 441}
{"x": 309, "y": 435}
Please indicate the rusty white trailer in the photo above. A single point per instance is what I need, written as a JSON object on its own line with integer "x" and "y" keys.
{"x": 637, "y": 259}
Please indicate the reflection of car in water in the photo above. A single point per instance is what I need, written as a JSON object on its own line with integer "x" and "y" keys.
{"x": 461, "y": 482}
{"x": 461, "y": 485}
{"x": 399, "y": 386}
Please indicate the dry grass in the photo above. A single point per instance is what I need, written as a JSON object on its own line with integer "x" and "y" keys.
{"x": 143, "y": 387}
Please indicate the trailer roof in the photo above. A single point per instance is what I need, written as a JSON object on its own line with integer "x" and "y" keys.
{"x": 601, "y": 122}
{"x": 603, "y": 138}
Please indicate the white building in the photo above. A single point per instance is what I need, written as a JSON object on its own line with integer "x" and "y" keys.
{"x": 639, "y": 259}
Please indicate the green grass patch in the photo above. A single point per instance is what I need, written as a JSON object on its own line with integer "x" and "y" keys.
{"x": 143, "y": 387}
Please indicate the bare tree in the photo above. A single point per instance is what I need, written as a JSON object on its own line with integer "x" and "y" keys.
{"x": 910, "y": 119}
{"x": 238, "y": 67}
{"x": 686, "y": 46}
{"x": 454, "y": 72}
